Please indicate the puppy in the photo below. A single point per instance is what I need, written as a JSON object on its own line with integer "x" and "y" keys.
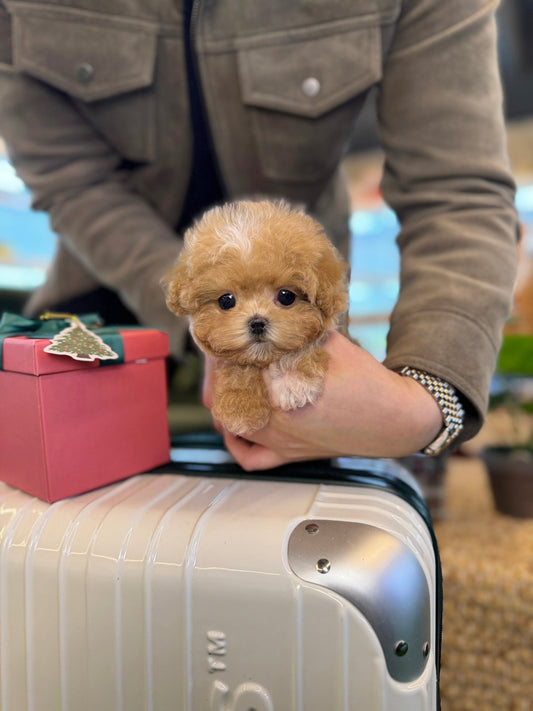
{"x": 261, "y": 284}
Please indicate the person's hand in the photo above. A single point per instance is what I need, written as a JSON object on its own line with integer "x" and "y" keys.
{"x": 365, "y": 409}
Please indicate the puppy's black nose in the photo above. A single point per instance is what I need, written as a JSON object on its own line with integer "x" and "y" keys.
{"x": 258, "y": 325}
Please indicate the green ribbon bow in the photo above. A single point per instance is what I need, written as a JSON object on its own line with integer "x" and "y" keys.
{"x": 15, "y": 325}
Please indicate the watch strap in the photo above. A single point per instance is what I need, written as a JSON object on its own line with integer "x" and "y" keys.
{"x": 449, "y": 404}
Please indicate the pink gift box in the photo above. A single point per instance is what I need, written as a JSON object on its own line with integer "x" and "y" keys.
{"x": 68, "y": 426}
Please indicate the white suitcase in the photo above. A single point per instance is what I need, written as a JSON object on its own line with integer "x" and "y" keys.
{"x": 210, "y": 590}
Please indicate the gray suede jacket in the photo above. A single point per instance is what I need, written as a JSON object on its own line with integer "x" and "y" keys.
{"x": 94, "y": 112}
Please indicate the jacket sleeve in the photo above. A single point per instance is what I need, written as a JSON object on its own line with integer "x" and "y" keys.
{"x": 75, "y": 176}
{"x": 447, "y": 178}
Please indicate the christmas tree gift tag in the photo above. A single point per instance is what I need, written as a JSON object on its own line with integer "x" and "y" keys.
{"x": 78, "y": 342}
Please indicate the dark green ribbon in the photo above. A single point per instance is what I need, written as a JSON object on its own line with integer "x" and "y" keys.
{"x": 15, "y": 325}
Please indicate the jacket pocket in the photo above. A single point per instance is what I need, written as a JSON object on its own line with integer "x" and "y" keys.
{"x": 105, "y": 64}
{"x": 304, "y": 96}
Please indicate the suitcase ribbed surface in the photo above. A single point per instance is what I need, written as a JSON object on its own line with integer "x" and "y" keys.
{"x": 176, "y": 592}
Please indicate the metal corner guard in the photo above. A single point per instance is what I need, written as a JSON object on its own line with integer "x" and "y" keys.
{"x": 380, "y": 576}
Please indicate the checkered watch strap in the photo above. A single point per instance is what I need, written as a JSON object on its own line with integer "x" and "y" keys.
{"x": 450, "y": 406}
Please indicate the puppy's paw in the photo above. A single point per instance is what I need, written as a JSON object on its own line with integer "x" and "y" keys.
{"x": 291, "y": 390}
{"x": 243, "y": 418}
{"x": 247, "y": 426}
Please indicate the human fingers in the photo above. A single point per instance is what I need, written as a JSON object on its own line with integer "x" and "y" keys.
{"x": 250, "y": 455}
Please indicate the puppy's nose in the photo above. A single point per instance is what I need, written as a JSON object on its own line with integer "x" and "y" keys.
{"x": 258, "y": 325}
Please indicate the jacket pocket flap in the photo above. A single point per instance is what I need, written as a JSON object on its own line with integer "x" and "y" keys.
{"x": 313, "y": 76}
{"x": 88, "y": 56}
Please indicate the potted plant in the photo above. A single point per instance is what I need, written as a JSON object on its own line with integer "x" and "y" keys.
{"x": 510, "y": 463}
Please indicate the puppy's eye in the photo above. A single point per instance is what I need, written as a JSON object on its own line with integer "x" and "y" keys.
{"x": 226, "y": 301}
{"x": 286, "y": 297}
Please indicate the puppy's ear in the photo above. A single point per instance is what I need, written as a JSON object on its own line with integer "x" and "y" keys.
{"x": 332, "y": 274}
{"x": 178, "y": 289}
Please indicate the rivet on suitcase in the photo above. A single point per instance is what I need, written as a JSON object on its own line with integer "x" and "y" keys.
{"x": 315, "y": 587}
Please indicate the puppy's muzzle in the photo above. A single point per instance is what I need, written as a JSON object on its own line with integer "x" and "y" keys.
{"x": 258, "y": 326}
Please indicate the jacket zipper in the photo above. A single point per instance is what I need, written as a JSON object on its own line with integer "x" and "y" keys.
{"x": 195, "y": 11}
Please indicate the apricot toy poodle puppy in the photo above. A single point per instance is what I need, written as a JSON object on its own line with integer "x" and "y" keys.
{"x": 261, "y": 285}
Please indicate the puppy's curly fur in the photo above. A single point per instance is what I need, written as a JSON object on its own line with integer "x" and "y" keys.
{"x": 262, "y": 285}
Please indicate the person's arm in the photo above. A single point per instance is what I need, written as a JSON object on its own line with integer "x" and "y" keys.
{"x": 447, "y": 177}
{"x": 77, "y": 178}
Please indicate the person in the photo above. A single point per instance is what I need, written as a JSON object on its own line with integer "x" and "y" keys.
{"x": 126, "y": 121}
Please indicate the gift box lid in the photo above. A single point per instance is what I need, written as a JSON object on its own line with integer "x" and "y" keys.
{"x": 21, "y": 354}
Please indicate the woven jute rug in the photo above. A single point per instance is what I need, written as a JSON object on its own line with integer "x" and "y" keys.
{"x": 487, "y": 560}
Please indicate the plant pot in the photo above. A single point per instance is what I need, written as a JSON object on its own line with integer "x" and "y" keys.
{"x": 511, "y": 478}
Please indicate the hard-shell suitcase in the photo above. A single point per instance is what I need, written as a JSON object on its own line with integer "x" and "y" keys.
{"x": 315, "y": 587}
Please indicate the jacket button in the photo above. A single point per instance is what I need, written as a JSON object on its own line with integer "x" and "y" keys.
{"x": 85, "y": 73}
{"x": 311, "y": 87}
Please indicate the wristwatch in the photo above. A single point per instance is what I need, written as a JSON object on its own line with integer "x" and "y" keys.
{"x": 450, "y": 406}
